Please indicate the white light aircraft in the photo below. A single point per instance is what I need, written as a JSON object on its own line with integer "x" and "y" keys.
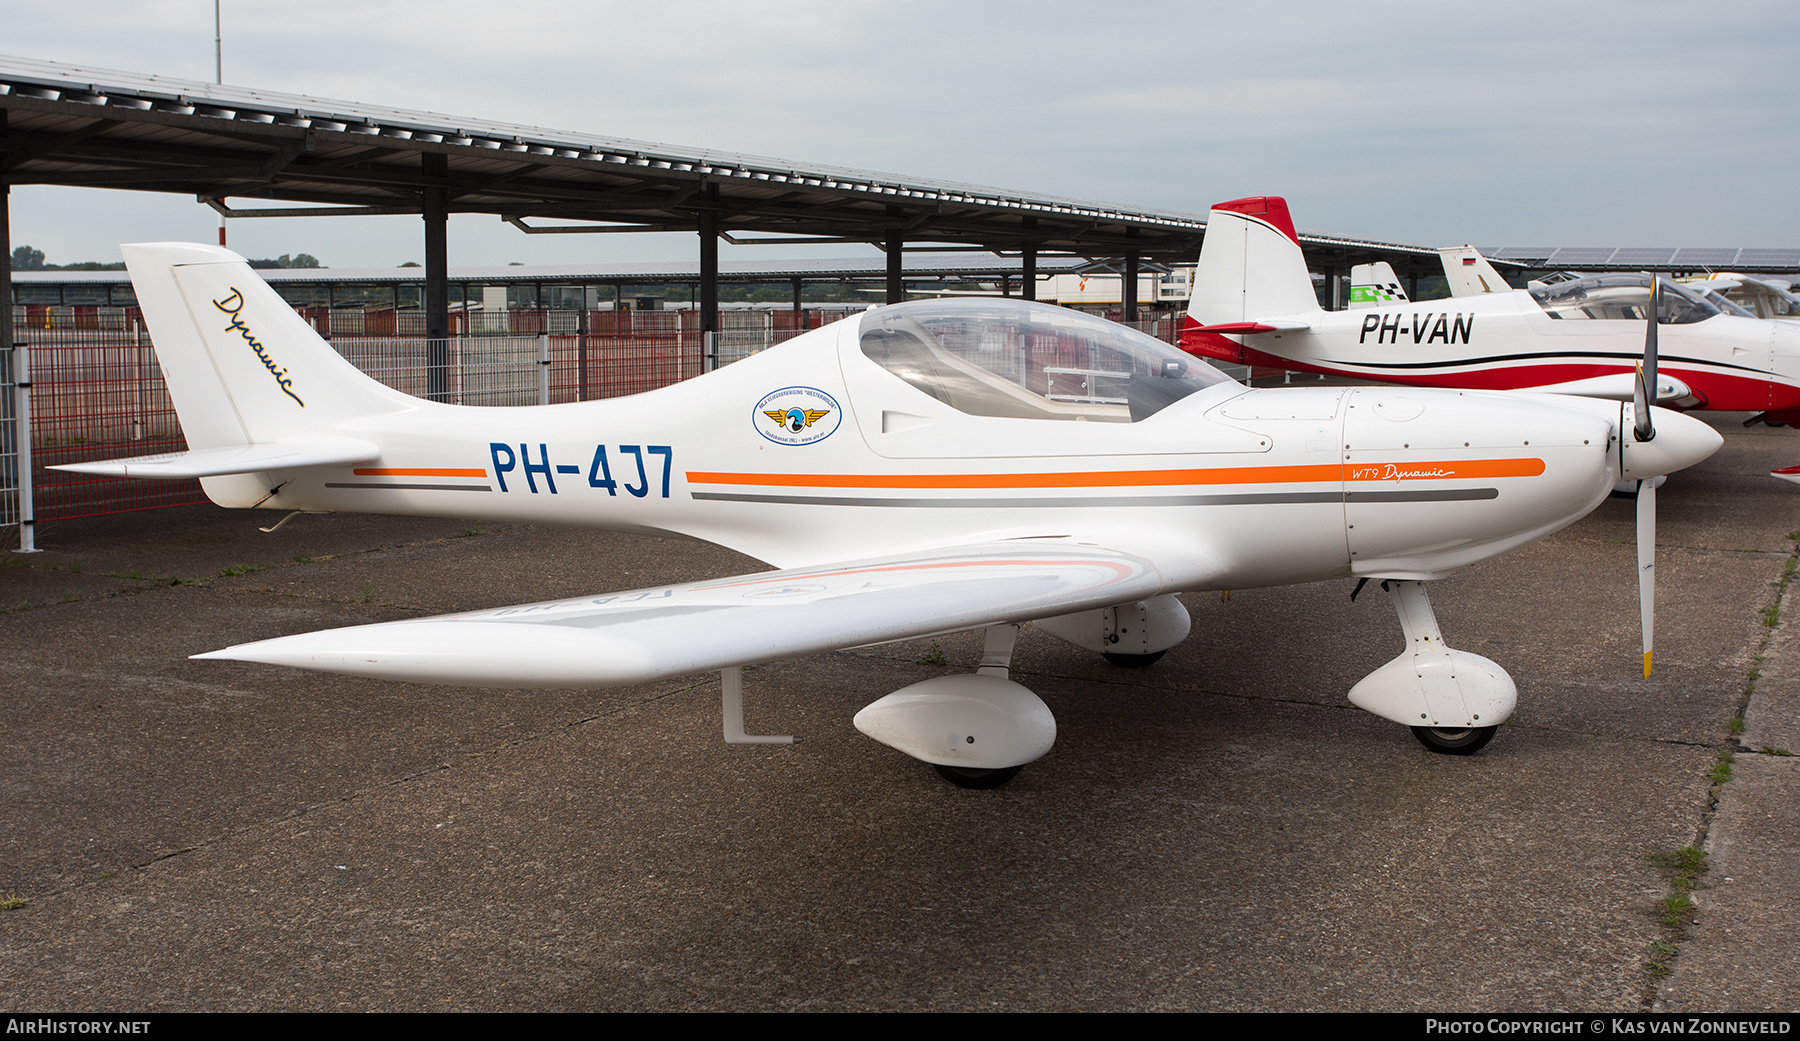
{"x": 926, "y": 467}
{"x": 1254, "y": 304}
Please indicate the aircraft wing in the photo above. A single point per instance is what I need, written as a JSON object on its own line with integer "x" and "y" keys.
{"x": 647, "y": 634}
{"x": 286, "y": 454}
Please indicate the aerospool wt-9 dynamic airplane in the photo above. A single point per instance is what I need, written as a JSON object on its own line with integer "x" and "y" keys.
{"x": 922, "y": 468}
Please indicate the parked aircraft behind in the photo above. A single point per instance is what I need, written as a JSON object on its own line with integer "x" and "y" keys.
{"x": 1761, "y": 297}
{"x": 927, "y": 467}
{"x": 1253, "y": 304}
{"x": 1372, "y": 285}
{"x": 1466, "y": 272}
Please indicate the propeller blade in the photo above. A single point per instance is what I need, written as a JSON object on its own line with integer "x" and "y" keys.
{"x": 1646, "y": 556}
{"x": 1643, "y": 398}
{"x": 1643, "y": 395}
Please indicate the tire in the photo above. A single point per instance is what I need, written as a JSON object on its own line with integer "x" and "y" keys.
{"x": 1454, "y": 740}
{"x": 978, "y": 779}
{"x": 1133, "y": 661}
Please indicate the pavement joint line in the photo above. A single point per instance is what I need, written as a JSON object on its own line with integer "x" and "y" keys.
{"x": 364, "y": 792}
{"x": 1674, "y": 935}
{"x": 160, "y": 581}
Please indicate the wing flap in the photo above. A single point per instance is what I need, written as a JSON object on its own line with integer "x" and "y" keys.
{"x": 289, "y": 453}
{"x": 648, "y": 634}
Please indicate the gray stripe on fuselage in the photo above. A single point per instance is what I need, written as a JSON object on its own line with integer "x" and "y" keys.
{"x": 1239, "y": 499}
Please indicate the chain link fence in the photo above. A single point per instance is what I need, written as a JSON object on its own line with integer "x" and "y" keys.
{"x": 10, "y": 507}
{"x": 98, "y": 393}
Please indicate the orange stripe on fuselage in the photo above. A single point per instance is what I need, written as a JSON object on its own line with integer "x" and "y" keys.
{"x": 1444, "y": 470}
{"x": 417, "y": 471}
{"x": 1437, "y": 469}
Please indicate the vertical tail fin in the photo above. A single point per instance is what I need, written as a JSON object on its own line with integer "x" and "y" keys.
{"x": 1469, "y": 273}
{"x": 241, "y": 366}
{"x": 1251, "y": 266}
{"x": 1372, "y": 285}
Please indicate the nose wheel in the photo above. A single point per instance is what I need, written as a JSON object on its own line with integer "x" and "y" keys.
{"x": 1454, "y": 740}
{"x": 1133, "y": 661}
{"x": 977, "y": 779}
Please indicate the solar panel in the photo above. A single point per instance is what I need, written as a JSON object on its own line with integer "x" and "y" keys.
{"x": 1787, "y": 259}
{"x": 1644, "y": 256}
{"x": 1573, "y": 256}
{"x": 1706, "y": 257}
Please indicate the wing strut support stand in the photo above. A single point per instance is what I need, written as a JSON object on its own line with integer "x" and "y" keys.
{"x": 731, "y": 696}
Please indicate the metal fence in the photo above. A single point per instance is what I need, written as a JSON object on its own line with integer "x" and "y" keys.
{"x": 10, "y": 507}
{"x": 98, "y": 393}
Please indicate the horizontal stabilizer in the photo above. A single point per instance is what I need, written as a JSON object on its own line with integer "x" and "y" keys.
{"x": 1261, "y": 325}
{"x": 1620, "y": 386}
{"x": 649, "y": 634}
{"x": 289, "y": 453}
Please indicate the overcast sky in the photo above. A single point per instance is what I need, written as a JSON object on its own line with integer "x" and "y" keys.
{"x": 1518, "y": 123}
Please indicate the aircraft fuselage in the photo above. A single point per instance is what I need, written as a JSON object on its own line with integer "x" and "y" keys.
{"x": 1505, "y": 341}
{"x": 1258, "y": 487}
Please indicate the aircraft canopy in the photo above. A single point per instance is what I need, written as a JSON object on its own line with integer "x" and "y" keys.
{"x": 1021, "y": 360}
{"x": 1625, "y": 296}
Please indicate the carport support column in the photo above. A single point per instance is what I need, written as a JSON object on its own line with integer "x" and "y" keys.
{"x": 21, "y": 370}
{"x": 1028, "y": 282}
{"x": 895, "y": 244}
{"x": 437, "y": 279}
{"x": 709, "y": 279}
{"x": 1131, "y": 286}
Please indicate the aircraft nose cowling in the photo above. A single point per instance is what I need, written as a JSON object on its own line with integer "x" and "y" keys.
{"x": 1680, "y": 442}
{"x": 1435, "y": 479}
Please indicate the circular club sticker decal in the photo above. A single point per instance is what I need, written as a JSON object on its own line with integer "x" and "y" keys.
{"x": 796, "y": 416}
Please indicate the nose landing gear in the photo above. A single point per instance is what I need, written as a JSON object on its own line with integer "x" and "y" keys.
{"x": 1452, "y": 700}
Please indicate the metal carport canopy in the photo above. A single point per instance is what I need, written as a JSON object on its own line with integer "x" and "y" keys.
{"x": 72, "y": 125}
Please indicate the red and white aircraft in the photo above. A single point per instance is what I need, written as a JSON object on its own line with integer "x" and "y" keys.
{"x": 926, "y": 467}
{"x": 1254, "y": 304}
